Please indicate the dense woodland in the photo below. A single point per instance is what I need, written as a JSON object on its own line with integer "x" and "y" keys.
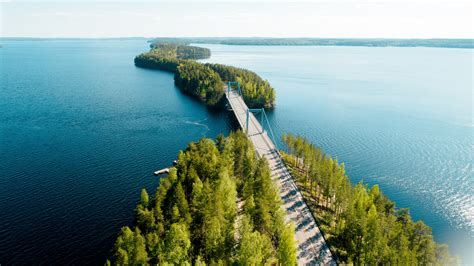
{"x": 201, "y": 81}
{"x": 206, "y": 81}
{"x": 256, "y": 91}
{"x": 217, "y": 206}
{"x": 180, "y": 51}
{"x": 361, "y": 225}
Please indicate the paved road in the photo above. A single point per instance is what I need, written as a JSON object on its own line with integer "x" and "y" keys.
{"x": 312, "y": 248}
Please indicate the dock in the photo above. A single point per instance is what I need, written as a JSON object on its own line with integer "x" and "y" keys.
{"x": 162, "y": 171}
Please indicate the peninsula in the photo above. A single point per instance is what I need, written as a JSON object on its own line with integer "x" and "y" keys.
{"x": 205, "y": 81}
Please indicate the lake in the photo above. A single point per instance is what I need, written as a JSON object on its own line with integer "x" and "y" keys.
{"x": 82, "y": 131}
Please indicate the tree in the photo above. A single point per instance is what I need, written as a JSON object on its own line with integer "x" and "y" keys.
{"x": 177, "y": 244}
{"x": 255, "y": 249}
{"x": 182, "y": 203}
{"x": 145, "y": 219}
{"x": 144, "y": 199}
{"x": 287, "y": 246}
{"x": 424, "y": 245}
{"x": 130, "y": 248}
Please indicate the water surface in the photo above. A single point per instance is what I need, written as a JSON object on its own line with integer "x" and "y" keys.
{"x": 81, "y": 132}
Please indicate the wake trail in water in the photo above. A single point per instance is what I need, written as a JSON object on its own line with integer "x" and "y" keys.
{"x": 199, "y": 123}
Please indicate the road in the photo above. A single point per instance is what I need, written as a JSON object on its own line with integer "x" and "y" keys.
{"x": 312, "y": 248}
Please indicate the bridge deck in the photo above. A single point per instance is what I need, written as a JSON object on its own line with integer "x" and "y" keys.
{"x": 312, "y": 248}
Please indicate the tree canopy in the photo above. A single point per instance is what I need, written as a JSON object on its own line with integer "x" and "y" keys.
{"x": 217, "y": 206}
{"x": 256, "y": 91}
{"x": 361, "y": 225}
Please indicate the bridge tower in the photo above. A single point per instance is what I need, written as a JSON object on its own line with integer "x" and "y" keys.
{"x": 234, "y": 83}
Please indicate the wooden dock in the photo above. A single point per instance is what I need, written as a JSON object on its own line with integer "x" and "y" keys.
{"x": 162, "y": 171}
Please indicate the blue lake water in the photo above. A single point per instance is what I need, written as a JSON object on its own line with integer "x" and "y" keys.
{"x": 82, "y": 130}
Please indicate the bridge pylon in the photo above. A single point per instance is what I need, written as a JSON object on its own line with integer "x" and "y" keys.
{"x": 235, "y": 83}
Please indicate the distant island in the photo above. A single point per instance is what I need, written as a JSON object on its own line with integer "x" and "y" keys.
{"x": 369, "y": 42}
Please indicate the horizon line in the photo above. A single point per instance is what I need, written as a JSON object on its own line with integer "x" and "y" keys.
{"x": 231, "y": 37}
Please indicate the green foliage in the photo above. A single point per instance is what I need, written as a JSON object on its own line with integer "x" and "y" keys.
{"x": 255, "y": 249}
{"x": 144, "y": 199}
{"x": 256, "y": 91}
{"x": 180, "y": 50}
{"x": 130, "y": 248}
{"x": 177, "y": 244}
{"x": 361, "y": 225}
{"x": 192, "y": 52}
{"x": 287, "y": 246}
{"x": 201, "y": 81}
{"x": 156, "y": 59}
{"x": 194, "y": 219}
{"x": 205, "y": 81}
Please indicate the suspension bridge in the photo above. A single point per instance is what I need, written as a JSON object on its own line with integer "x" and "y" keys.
{"x": 312, "y": 248}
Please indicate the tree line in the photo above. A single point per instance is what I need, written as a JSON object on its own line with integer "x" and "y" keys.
{"x": 369, "y": 42}
{"x": 207, "y": 83}
{"x": 217, "y": 206}
{"x": 361, "y": 225}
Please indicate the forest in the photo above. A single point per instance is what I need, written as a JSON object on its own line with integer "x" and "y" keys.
{"x": 200, "y": 81}
{"x": 361, "y": 225}
{"x": 255, "y": 91}
{"x": 180, "y": 51}
{"x": 218, "y": 205}
{"x": 206, "y": 81}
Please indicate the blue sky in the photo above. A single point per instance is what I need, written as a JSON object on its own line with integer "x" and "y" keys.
{"x": 316, "y": 18}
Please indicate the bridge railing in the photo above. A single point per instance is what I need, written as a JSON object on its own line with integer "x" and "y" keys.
{"x": 262, "y": 119}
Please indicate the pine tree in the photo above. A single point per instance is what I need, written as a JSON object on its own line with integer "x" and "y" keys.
{"x": 177, "y": 244}
{"x": 144, "y": 199}
{"x": 287, "y": 246}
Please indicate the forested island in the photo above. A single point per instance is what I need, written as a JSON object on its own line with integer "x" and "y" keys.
{"x": 370, "y": 42}
{"x": 361, "y": 225}
{"x": 217, "y": 206}
{"x": 206, "y": 81}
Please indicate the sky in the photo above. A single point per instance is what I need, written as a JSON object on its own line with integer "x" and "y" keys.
{"x": 178, "y": 18}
